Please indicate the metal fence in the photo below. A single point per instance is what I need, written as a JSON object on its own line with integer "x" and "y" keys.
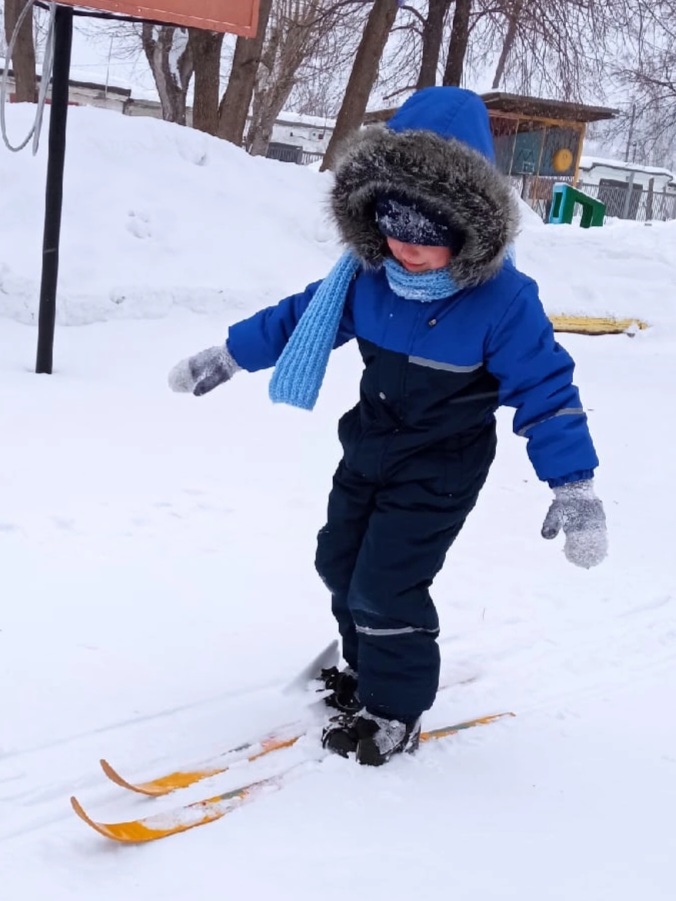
{"x": 622, "y": 201}
{"x": 633, "y": 202}
{"x": 291, "y": 153}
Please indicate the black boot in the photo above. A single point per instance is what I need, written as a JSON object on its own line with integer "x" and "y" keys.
{"x": 343, "y": 685}
{"x": 373, "y": 739}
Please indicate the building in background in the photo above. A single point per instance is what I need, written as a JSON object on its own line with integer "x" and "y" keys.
{"x": 628, "y": 190}
{"x": 297, "y": 138}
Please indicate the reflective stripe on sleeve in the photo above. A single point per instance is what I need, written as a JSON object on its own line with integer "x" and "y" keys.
{"x": 567, "y": 411}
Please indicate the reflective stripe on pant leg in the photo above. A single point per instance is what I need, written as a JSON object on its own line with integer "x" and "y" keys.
{"x": 389, "y": 633}
{"x": 410, "y": 531}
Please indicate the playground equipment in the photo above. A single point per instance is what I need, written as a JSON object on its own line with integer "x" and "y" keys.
{"x": 564, "y": 200}
{"x": 591, "y": 325}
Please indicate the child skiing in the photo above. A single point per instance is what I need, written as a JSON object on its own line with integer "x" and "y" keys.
{"x": 448, "y": 330}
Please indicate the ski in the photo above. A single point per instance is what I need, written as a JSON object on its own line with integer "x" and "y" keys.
{"x": 282, "y": 737}
{"x": 164, "y": 785}
{"x": 199, "y": 813}
{"x": 149, "y": 829}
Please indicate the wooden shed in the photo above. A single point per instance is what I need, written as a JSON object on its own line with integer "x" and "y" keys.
{"x": 541, "y": 138}
{"x": 537, "y": 142}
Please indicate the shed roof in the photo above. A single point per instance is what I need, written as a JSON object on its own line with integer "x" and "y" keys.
{"x": 515, "y": 104}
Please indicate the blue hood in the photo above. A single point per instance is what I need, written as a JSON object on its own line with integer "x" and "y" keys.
{"x": 435, "y": 152}
{"x": 450, "y": 113}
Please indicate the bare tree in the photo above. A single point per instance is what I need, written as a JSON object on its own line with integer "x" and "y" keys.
{"x": 560, "y": 47}
{"x": 514, "y": 9}
{"x": 412, "y": 58}
{"x": 647, "y": 68}
{"x": 457, "y": 49}
{"x": 316, "y": 94}
{"x": 175, "y": 56}
{"x": 236, "y": 100}
{"x": 298, "y": 30}
{"x": 23, "y": 59}
{"x": 289, "y": 33}
{"x": 432, "y": 40}
{"x": 363, "y": 75}
{"x": 206, "y": 48}
{"x": 399, "y": 68}
{"x": 170, "y": 58}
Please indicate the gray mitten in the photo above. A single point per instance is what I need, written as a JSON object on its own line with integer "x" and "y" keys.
{"x": 204, "y": 371}
{"x": 578, "y": 511}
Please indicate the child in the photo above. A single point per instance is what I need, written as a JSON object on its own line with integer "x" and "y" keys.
{"x": 449, "y": 330}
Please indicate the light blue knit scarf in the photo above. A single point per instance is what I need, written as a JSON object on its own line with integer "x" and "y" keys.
{"x": 421, "y": 286}
{"x": 301, "y": 367}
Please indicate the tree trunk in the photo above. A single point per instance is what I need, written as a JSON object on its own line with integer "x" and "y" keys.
{"x": 168, "y": 52}
{"x": 363, "y": 75}
{"x": 265, "y": 82}
{"x": 271, "y": 107}
{"x": 293, "y": 37}
{"x": 432, "y": 36}
{"x": 23, "y": 60}
{"x": 457, "y": 49}
{"x": 206, "y": 54}
{"x": 236, "y": 100}
{"x": 510, "y": 37}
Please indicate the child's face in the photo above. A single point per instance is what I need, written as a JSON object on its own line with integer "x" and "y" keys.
{"x": 419, "y": 257}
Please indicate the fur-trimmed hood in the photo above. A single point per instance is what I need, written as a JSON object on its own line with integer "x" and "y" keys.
{"x": 438, "y": 150}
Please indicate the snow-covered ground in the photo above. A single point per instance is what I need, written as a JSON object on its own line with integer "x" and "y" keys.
{"x": 156, "y": 557}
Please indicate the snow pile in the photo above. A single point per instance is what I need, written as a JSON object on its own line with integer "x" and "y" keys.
{"x": 139, "y": 192}
{"x": 623, "y": 270}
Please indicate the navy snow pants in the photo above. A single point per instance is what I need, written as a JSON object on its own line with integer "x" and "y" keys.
{"x": 382, "y": 546}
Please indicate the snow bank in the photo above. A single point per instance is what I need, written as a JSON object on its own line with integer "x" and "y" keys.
{"x": 138, "y": 191}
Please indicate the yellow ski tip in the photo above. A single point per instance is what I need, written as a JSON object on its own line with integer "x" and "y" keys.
{"x": 119, "y": 832}
{"x": 152, "y": 828}
{"x": 164, "y": 785}
{"x": 155, "y": 788}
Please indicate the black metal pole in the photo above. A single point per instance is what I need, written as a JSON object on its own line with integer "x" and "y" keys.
{"x": 63, "y": 41}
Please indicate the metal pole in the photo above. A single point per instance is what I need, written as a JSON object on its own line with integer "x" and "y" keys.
{"x": 63, "y": 40}
{"x": 629, "y": 194}
{"x": 631, "y": 133}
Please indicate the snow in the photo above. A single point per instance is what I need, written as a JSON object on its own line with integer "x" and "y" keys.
{"x": 588, "y": 162}
{"x": 288, "y": 117}
{"x": 157, "y": 563}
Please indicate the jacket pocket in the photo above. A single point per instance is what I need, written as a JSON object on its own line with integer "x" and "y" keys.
{"x": 465, "y": 463}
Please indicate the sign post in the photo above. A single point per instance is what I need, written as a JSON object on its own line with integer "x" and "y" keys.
{"x": 63, "y": 40}
{"x": 231, "y": 16}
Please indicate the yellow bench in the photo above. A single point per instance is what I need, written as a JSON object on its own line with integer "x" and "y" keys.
{"x": 590, "y": 325}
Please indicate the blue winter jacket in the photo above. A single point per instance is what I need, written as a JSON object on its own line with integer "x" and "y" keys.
{"x": 435, "y": 371}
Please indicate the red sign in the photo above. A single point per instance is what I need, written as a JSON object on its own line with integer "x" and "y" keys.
{"x": 232, "y": 16}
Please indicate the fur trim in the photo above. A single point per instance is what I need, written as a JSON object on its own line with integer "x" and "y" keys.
{"x": 445, "y": 174}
